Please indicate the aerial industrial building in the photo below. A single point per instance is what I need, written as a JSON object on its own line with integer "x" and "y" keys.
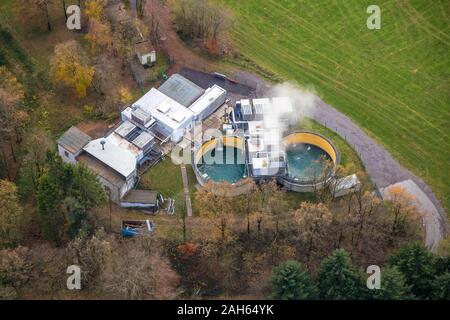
{"x": 161, "y": 115}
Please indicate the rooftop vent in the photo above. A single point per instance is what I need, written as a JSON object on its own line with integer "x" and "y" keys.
{"x": 103, "y": 142}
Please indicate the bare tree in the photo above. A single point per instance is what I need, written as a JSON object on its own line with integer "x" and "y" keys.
{"x": 201, "y": 19}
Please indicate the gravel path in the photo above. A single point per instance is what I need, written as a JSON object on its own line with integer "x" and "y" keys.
{"x": 382, "y": 168}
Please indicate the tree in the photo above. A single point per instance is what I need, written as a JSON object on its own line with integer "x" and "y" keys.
{"x": 125, "y": 96}
{"x": 11, "y": 117}
{"x": 338, "y": 278}
{"x": 404, "y": 213}
{"x": 14, "y": 267}
{"x": 417, "y": 265}
{"x": 290, "y": 282}
{"x": 91, "y": 254}
{"x": 313, "y": 221}
{"x": 201, "y": 19}
{"x": 36, "y": 144}
{"x": 441, "y": 287}
{"x": 99, "y": 36}
{"x": 137, "y": 270}
{"x": 52, "y": 219}
{"x": 443, "y": 249}
{"x": 246, "y": 203}
{"x": 11, "y": 92}
{"x": 69, "y": 67}
{"x": 272, "y": 203}
{"x": 393, "y": 286}
{"x": 364, "y": 221}
{"x": 66, "y": 193}
{"x": 12, "y": 216}
{"x": 94, "y": 9}
{"x": 43, "y": 6}
{"x": 214, "y": 202}
{"x": 30, "y": 10}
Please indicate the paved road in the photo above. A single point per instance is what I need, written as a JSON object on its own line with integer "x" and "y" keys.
{"x": 382, "y": 168}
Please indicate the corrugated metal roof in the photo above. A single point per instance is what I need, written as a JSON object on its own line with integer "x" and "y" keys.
{"x": 73, "y": 140}
{"x": 141, "y": 196}
{"x": 180, "y": 89}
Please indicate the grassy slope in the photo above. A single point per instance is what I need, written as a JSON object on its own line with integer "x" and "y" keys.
{"x": 394, "y": 82}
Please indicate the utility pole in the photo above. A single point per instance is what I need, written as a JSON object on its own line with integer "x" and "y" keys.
{"x": 110, "y": 210}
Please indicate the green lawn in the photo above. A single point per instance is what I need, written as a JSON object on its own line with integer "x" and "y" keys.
{"x": 165, "y": 177}
{"x": 394, "y": 82}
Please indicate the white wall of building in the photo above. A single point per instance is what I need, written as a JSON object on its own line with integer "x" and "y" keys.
{"x": 66, "y": 155}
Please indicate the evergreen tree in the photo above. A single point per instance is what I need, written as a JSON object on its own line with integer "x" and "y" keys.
{"x": 393, "y": 286}
{"x": 338, "y": 278}
{"x": 417, "y": 265}
{"x": 51, "y": 218}
{"x": 290, "y": 282}
{"x": 441, "y": 287}
{"x": 65, "y": 195}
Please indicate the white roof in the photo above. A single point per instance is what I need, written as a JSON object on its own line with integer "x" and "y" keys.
{"x": 206, "y": 99}
{"x": 119, "y": 154}
{"x": 255, "y": 127}
{"x": 260, "y": 163}
{"x": 125, "y": 128}
{"x": 255, "y": 144}
{"x": 150, "y": 100}
{"x": 143, "y": 139}
{"x": 164, "y": 109}
{"x": 281, "y": 105}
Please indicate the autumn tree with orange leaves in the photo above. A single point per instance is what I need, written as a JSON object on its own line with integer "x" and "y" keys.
{"x": 69, "y": 67}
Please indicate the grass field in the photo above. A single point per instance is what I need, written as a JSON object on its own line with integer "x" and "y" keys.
{"x": 394, "y": 82}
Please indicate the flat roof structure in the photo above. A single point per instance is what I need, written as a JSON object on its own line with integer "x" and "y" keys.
{"x": 141, "y": 196}
{"x": 143, "y": 139}
{"x": 180, "y": 89}
{"x": 210, "y": 95}
{"x": 256, "y": 127}
{"x": 125, "y": 129}
{"x": 118, "y": 153}
{"x": 162, "y": 108}
{"x": 73, "y": 140}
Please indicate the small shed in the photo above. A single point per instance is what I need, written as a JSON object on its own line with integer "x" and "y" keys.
{"x": 145, "y": 52}
{"x": 71, "y": 144}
